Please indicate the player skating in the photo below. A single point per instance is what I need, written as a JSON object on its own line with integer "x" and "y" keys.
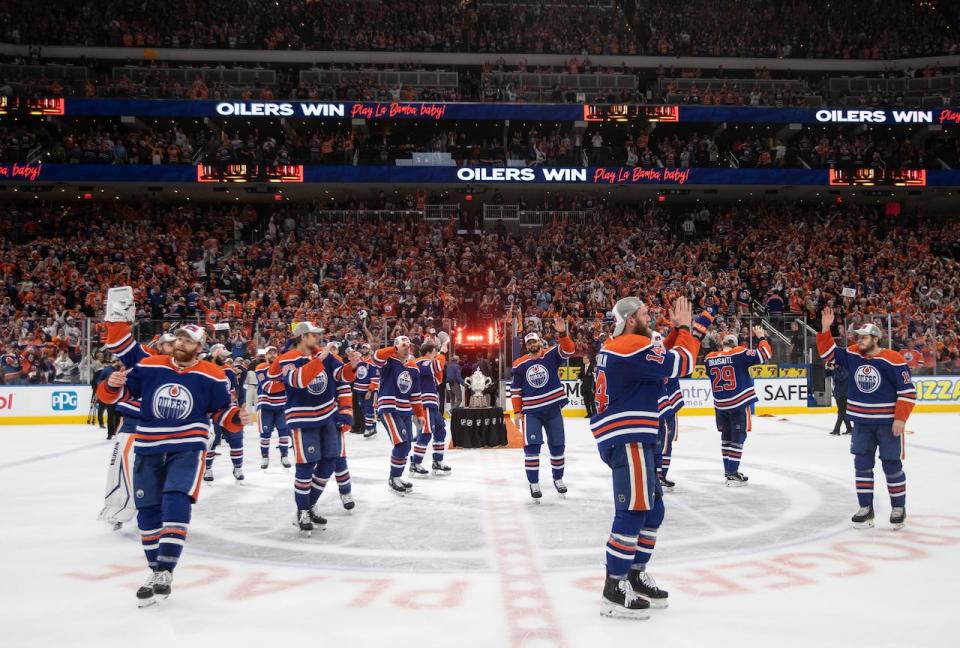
{"x": 629, "y": 385}
{"x": 430, "y": 370}
{"x": 538, "y": 398}
{"x": 671, "y": 402}
{"x": 179, "y": 395}
{"x": 318, "y": 406}
{"x": 365, "y": 390}
{"x": 271, "y": 401}
{"x": 880, "y": 398}
{"x": 218, "y": 355}
{"x": 397, "y": 403}
{"x": 733, "y": 394}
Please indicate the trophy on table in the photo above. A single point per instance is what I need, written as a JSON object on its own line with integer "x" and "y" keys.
{"x": 477, "y": 382}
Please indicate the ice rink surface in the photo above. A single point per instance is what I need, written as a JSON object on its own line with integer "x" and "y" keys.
{"x": 468, "y": 560}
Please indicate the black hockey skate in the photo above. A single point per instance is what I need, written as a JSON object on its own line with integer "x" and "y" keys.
{"x": 535, "y": 493}
{"x": 416, "y": 470}
{"x": 305, "y": 524}
{"x": 145, "y": 595}
{"x": 208, "y": 475}
{"x": 620, "y": 601}
{"x": 737, "y": 479}
{"x": 440, "y": 468}
{"x": 238, "y": 473}
{"x": 370, "y": 433}
{"x": 317, "y": 519}
{"x": 163, "y": 584}
{"x": 560, "y": 486}
{"x": 285, "y": 461}
{"x": 666, "y": 485}
{"x": 264, "y": 463}
{"x": 863, "y": 519}
{"x": 347, "y": 500}
{"x": 156, "y": 589}
{"x": 396, "y": 486}
{"x": 898, "y": 515}
{"x": 643, "y": 585}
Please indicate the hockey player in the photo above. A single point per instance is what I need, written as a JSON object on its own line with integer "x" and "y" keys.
{"x": 340, "y": 468}
{"x": 318, "y": 407}
{"x": 365, "y": 389}
{"x": 271, "y": 400}
{"x": 733, "y": 394}
{"x": 179, "y": 395}
{"x": 399, "y": 398}
{"x": 538, "y": 398}
{"x": 118, "y": 506}
{"x": 219, "y": 354}
{"x": 880, "y": 397}
{"x": 629, "y": 385}
{"x": 430, "y": 368}
{"x": 671, "y": 401}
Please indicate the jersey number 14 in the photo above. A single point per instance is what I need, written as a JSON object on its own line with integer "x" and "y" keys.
{"x": 600, "y": 398}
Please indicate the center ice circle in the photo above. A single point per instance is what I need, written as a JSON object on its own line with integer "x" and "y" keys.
{"x": 456, "y": 525}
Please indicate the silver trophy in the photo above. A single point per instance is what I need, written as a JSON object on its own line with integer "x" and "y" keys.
{"x": 120, "y": 306}
{"x": 477, "y": 382}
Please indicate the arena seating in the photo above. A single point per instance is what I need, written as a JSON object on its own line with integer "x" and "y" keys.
{"x": 218, "y": 264}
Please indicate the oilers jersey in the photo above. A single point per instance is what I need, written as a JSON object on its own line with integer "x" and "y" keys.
{"x": 535, "y": 384}
{"x": 316, "y": 389}
{"x": 671, "y": 402}
{"x": 431, "y": 377}
{"x": 729, "y": 374}
{"x": 399, "y": 384}
{"x": 234, "y": 384}
{"x": 630, "y": 385}
{"x": 270, "y": 392}
{"x": 366, "y": 380}
{"x": 177, "y": 404}
{"x": 880, "y": 389}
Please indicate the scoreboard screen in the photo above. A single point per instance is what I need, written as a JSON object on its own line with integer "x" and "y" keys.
{"x": 280, "y": 173}
{"x": 630, "y": 112}
{"x": 871, "y": 177}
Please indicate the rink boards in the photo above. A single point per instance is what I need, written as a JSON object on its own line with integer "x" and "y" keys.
{"x": 46, "y": 404}
{"x": 788, "y": 396}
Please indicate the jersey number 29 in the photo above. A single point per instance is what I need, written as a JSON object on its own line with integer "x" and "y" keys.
{"x": 724, "y": 378}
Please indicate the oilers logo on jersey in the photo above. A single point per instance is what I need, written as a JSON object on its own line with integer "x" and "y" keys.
{"x": 537, "y": 376}
{"x": 362, "y": 371}
{"x": 404, "y": 382}
{"x": 172, "y": 401}
{"x": 867, "y": 379}
{"x": 319, "y": 384}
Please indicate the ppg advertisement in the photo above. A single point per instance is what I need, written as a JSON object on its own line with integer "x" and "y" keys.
{"x": 37, "y": 404}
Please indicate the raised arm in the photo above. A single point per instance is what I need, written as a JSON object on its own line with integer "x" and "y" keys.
{"x": 826, "y": 346}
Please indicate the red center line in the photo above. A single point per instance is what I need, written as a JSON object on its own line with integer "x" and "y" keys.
{"x": 527, "y": 606}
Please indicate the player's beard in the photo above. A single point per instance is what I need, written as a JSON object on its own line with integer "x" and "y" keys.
{"x": 184, "y": 357}
{"x": 868, "y": 348}
{"x": 641, "y": 329}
